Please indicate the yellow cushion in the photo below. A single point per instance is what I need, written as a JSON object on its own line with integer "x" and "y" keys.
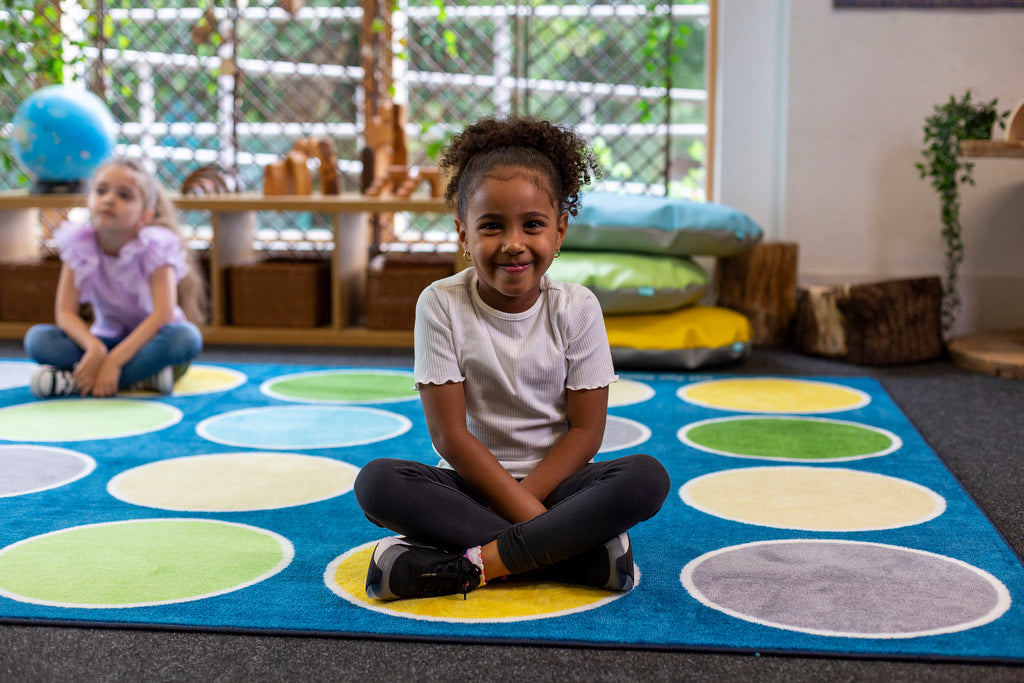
{"x": 690, "y": 337}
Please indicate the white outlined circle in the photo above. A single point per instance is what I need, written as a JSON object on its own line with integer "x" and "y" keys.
{"x": 888, "y": 595}
{"x": 82, "y": 466}
{"x": 861, "y": 398}
{"x": 895, "y": 442}
{"x": 57, "y": 420}
{"x": 628, "y": 392}
{"x": 202, "y": 379}
{"x": 14, "y": 373}
{"x": 267, "y": 387}
{"x": 875, "y": 496}
{"x": 234, "y": 482}
{"x": 284, "y": 423}
{"x": 382, "y": 606}
{"x": 630, "y": 433}
{"x": 286, "y": 548}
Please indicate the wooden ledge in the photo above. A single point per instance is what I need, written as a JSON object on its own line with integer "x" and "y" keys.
{"x": 992, "y": 148}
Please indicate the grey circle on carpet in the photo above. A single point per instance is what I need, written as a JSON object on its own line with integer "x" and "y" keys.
{"x": 846, "y": 588}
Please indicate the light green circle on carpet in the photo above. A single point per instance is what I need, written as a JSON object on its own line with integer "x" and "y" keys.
{"x": 789, "y": 438}
{"x": 83, "y": 419}
{"x": 140, "y": 562}
{"x": 342, "y": 386}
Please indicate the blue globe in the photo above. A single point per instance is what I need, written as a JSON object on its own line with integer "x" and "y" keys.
{"x": 61, "y": 134}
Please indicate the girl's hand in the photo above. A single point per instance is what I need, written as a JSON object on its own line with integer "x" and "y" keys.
{"x": 88, "y": 368}
{"x": 107, "y": 379}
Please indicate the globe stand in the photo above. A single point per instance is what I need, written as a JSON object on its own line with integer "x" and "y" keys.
{"x": 40, "y": 186}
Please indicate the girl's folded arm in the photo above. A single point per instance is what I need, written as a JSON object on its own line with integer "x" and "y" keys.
{"x": 165, "y": 297}
{"x": 444, "y": 406}
{"x": 586, "y": 414}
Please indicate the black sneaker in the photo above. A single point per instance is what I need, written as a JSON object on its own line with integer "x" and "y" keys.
{"x": 608, "y": 566}
{"x": 400, "y": 569}
{"x": 47, "y": 382}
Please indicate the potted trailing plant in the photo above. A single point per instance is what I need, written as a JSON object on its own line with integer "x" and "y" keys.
{"x": 951, "y": 122}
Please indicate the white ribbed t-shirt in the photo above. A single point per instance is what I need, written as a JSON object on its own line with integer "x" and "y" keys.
{"x": 515, "y": 367}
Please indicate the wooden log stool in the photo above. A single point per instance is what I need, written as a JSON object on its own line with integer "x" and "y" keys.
{"x": 761, "y": 284}
{"x": 877, "y": 323}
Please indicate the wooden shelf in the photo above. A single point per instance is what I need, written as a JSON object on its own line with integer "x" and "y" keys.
{"x": 992, "y": 148}
{"x": 232, "y": 219}
{"x": 999, "y": 353}
{"x": 342, "y": 203}
{"x": 352, "y": 337}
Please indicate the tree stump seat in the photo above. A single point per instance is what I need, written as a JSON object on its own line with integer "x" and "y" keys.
{"x": 876, "y": 323}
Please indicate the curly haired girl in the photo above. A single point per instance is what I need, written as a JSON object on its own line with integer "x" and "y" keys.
{"x": 513, "y": 371}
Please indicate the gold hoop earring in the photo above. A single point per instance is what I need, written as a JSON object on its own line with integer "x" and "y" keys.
{"x": 558, "y": 252}
{"x": 465, "y": 255}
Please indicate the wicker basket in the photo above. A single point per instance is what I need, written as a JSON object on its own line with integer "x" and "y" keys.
{"x": 394, "y": 283}
{"x": 280, "y": 293}
{"x": 28, "y": 291}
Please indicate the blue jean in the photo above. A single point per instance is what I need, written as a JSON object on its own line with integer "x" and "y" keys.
{"x": 173, "y": 344}
{"x": 438, "y": 507}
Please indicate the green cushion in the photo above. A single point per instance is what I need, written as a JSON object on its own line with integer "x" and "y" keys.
{"x": 633, "y": 283}
{"x": 659, "y": 225}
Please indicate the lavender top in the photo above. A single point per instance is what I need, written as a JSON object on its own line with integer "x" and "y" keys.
{"x": 118, "y": 286}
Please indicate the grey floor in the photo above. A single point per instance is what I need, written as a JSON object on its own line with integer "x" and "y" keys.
{"x": 974, "y": 422}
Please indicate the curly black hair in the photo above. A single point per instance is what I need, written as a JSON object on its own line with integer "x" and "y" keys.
{"x": 559, "y": 153}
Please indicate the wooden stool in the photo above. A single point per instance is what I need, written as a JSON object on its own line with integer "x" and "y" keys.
{"x": 761, "y": 284}
{"x": 994, "y": 353}
{"x": 878, "y": 323}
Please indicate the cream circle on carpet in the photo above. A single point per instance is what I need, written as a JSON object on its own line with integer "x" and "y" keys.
{"x": 234, "y": 482}
{"x": 812, "y": 498}
{"x": 627, "y": 392}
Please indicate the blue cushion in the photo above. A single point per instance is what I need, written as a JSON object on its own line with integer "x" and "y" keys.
{"x": 659, "y": 225}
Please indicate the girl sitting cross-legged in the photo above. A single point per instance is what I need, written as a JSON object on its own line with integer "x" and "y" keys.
{"x": 513, "y": 370}
{"x": 129, "y": 263}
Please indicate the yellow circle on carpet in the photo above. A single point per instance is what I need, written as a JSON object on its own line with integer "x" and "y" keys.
{"x": 813, "y": 498}
{"x": 774, "y": 395}
{"x": 208, "y": 379}
{"x": 232, "y": 482}
{"x": 627, "y": 392}
{"x": 499, "y": 601}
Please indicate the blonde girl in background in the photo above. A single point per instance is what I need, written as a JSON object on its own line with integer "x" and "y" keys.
{"x": 130, "y": 263}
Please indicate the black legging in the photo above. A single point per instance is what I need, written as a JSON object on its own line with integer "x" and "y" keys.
{"x": 438, "y": 507}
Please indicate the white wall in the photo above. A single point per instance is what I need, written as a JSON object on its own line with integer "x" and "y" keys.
{"x": 820, "y": 125}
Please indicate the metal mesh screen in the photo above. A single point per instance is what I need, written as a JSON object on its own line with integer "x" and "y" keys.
{"x": 237, "y": 83}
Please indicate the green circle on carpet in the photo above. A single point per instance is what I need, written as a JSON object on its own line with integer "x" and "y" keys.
{"x": 789, "y": 438}
{"x": 140, "y": 562}
{"x": 342, "y": 386}
{"x": 83, "y": 419}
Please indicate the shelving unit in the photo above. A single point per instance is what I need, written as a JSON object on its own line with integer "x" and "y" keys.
{"x": 233, "y": 219}
{"x": 1000, "y": 352}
